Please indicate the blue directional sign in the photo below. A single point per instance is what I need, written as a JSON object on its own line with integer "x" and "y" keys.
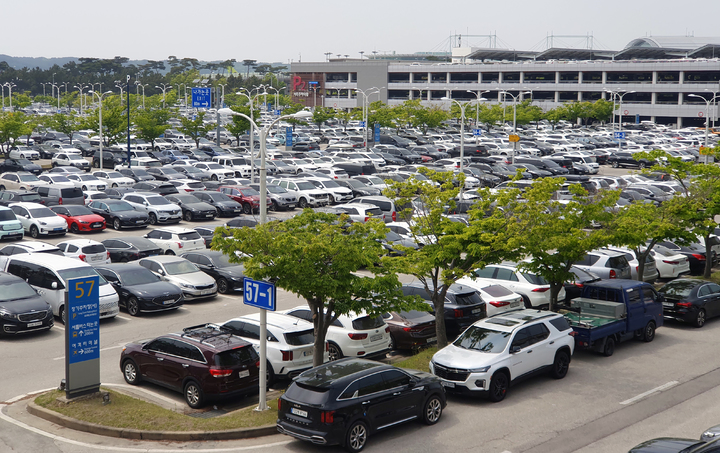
{"x": 201, "y": 98}
{"x": 259, "y": 294}
{"x": 477, "y": 132}
{"x": 362, "y": 123}
{"x": 83, "y": 324}
{"x": 288, "y": 136}
{"x": 619, "y": 135}
{"x": 377, "y": 132}
{"x": 277, "y": 112}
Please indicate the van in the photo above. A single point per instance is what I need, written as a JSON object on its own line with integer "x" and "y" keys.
{"x": 49, "y": 275}
{"x": 53, "y": 196}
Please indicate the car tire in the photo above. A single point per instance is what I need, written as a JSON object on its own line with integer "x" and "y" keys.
{"x": 2, "y": 188}
{"x": 116, "y": 224}
{"x": 356, "y": 437}
{"x": 393, "y": 344}
{"x": 34, "y": 232}
{"x": 303, "y": 203}
{"x": 700, "y": 318}
{"x": 188, "y": 216}
{"x": 222, "y": 286}
{"x": 499, "y": 384}
{"x": 641, "y": 165}
{"x": 433, "y": 410}
{"x": 123, "y": 260}
{"x": 334, "y": 352}
{"x": 247, "y": 209}
{"x": 194, "y": 396}
{"x": 74, "y": 228}
{"x": 269, "y": 375}
{"x": 275, "y": 206}
{"x": 331, "y": 199}
{"x": 114, "y": 186}
{"x": 62, "y": 315}
{"x": 615, "y": 164}
{"x": 96, "y": 164}
{"x": 609, "y": 348}
{"x": 526, "y": 301}
{"x": 133, "y": 307}
{"x": 84, "y": 188}
{"x": 169, "y": 252}
{"x": 153, "y": 218}
{"x": 561, "y": 365}
{"x": 648, "y": 334}
{"x": 214, "y": 177}
{"x": 131, "y": 372}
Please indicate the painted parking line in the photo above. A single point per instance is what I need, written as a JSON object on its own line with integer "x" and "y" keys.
{"x": 665, "y": 386}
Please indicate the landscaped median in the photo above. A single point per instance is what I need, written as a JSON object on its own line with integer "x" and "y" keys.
{"x": 132, "y": 418}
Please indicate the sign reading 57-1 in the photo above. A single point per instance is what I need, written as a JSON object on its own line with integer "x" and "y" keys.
{"x": 259, "y": 294}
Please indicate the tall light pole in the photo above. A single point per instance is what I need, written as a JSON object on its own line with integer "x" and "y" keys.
{"x": 10, "y": 86}
{"x": 164, "y": 88}
{"x": 80, "y": 88}
{"x": 462, "y": 106}
{"x": 303, "y": 114}
{"x": 121, "y": 86}
{"x": 66, "y": 84}
{"x": 2, "y": 93}
{"x": 58, "y": 91}
{"x": 143, "y": 85}
{"x": 252, "y": 132}
{"x": 365, "y": 109}
{"x": 277, "y": 92}
{"x": 620, "y": 94}
{"x": 707, "y": 112}
{"x": 100, "y": 101}
{"x": 514, "y": 98}
{"x": 479, "y": 97}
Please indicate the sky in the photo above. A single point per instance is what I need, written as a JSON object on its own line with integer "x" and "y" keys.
{"x": 284, "y": 31}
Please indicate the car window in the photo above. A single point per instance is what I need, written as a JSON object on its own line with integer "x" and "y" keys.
{"x": 539, "y": 332}
{"x": 163, "y": 345}
{"x": 371, "y": 384}
{"x": 302, "y": 314}
{"x": 188, "y": 351}
{"x": 714, "y": 289}
{"x": 506, "y": 274}
{"x": 395, "y": 378}
{"x": 522, "y": 338}
{"x": 633, "y": 295}
{"x": 487, "y": 272}
{"x": 560, "y": 323}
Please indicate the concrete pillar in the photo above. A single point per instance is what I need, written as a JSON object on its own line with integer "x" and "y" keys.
{"x": 681, "y": 78}
{"x": 679, "y": 122}
{"x": 522, "y": 77}
{"x": 557, "y": 76}
{"x": 654, "y": 79}
{"x": 604, "y": 77}
{"x": 680, "y": 98}
{"x": 349, "y": 77}
{"x": 447, "y": 78}
{"x": 580, "y": 96}
{"x": 653, "y": 97}
{"x": 500, "y": 77}
{"x": 580, "y": 77}
{"x": 557, "y": 96}
{"x": 479, "y": 77}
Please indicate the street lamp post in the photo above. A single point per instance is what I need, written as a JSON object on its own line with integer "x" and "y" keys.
{"x": 10, "y": 86}
{"x": 80, "y": 88}
{"x": 58, "y": 93}
{"x": 707, "y": 112}
{"x": 479, "y": 97}
{"x": 515, "y": 98}
{"x": 164, "y": 88}
{"x": 143, "y": 85}
{"x": 120, "y": 85}
{"x": 100, "y": 128}
{"x": 303, "y": 114}
{"x": 462, "y": 106}
{"x": 365, "y": 109}
{"x": 277, "y": 92}
{"x": 620, "y": 94}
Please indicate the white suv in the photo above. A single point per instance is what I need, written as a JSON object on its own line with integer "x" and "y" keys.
{"x": 534, "y": 289}
{"x": 158, "y": 209}
{"x": 114, "y": 179}
{"x": 92, "y": 252}
{"x": 337, "y": 193}
{"x": 352, "y": 335}
{"x": 176, "y": 240}
{"x": 492, "y": 353}
{"x": 308, "y": 195}
{"x": 39, "y": 220}
{"x": 67, "y": 159}
{"x": 87, "y": 182}
{"x": 289, "y": 346}
{"x": 218, "y": 172}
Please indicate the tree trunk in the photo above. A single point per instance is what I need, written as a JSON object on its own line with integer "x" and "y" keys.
{"x": 554, "y": 292}
{"x": 440, "y": 331}
{"x": 708, "y": 257}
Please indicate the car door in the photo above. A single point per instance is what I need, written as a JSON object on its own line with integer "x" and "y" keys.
{"x": 544, "y": 346}
{"x": 23, "y": 216}
{"x": 181, "y": 362}
{"x": 636, "y": 309}
{"x": 523, "y": 358}
{"x": 152, "y": 362}
{"x": 713, "y": 300}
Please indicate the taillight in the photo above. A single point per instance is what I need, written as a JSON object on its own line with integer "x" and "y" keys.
{"x": 458, "y": 313}
{"x": 671, "y": 262}
{"x": 108, "y": 255}
{"x": 613, "y": 274}
{"x": 367, "y": 218}
{"x": 357, "y": 336}
{"x": 684, "y": 304}
{"x": 578, "y": 285}
{"x": 287, "y": 356}
{"x": 179, "y": 245}
{"x": 637, "y": 268}
{"x": 257, "y": 364}
{"x": 698, "y": 257}
{"x": 387, "y": 329}
{"x": 327, "y": 416}
{"x": 60, "y": 200}
{"x": 279, "y": 404}
{"x": 82, "y": 257}
{"x": 394, "y": 216}
{"x": 219, "y": 372}
{"x": 499, "y": 303}
{"x": 572, "y": 333}
{"x": 541, "y": 289}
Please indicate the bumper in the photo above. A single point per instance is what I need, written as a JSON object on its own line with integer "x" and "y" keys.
{"x": 196, "y": 294}
{"x": 52, "y": 231}
{"x": 136, "y": 223}
{"x": 167, "y": 218}
{"x": 229, "y": 212}
{"x": 12, "y": 234}
{"x": 90, "y": 226}
{"x": 109, "y": 307}
{"x": 14, "y": 327}
{"x": 316, "y": 437}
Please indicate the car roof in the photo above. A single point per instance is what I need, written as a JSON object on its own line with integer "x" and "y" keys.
{"x": 175, "y": 229}
{"x": 81, "y": 242}
{"x": 339, "y": 372}
{"x": 510, "y": 320}
{"x": 27, "y": 205}
{"x": 164, "y": 259}
{"x": 54, "y": 261}
{"x": 33, "y": 245}
{"x": 282, "y": 321}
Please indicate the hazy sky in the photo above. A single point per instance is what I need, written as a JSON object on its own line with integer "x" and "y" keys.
{"x": 284, "y": 31}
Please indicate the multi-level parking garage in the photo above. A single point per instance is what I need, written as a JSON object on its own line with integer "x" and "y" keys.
{"x": 655, "y": 75}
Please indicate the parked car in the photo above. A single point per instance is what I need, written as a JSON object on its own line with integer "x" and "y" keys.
{"x": 53, "y": 195}
{"x": 691, "y": 300}
{"x": 10, "y": 226}
{"x": 226, "y": 206}
{"x": 345, "y": 402}
{"x": 606, "y": 264}
{"x": 497, "y": 298}
{"x": 157, "y": 208}
{"x": 248, "y": 197}
{"x": 650, "y": 272}
{"x": 18, "y": 196}
{"x": 136, "y": 174}
{"x": 176, "y": 240}
{"x": 677, "y": 445}
{"x": 493, "y": 353}
{"x": 534, "y": 289}
{"x": 207, "y": 233}
{"x": 119, "y": 214}
{"x": 158, "y": 187}
{"x": 22, "y": 309}
{"x": 669, "y": 263}
{"x": 80, "y": 218}
{"x": 195, "y": 283}
{"x": 695, "y": 253}
{"x": 192, "y": 208}
{"x": 412, "y": 329}
{"x": 280, "y": 197}
{"x": 20, "y": 164}
{"x": 574, "y": 286}
{"x": 39, "y": 220}
{"x": 130, "y": 248}
{"x": 70, "y": 159}
{"x": 228, "y": 276}
{"x": 87, "y": 182}
{"x": 20, "y": 180}
{"x": 139, "y": 290}
{"x": 219, "y": 365}
{"x": 87, "y": 250}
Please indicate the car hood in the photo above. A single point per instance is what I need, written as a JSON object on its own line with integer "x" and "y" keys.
{"x": 663, "y": 445}
{"x": 454, "y": 357}
{"x": 30, "y": 304}
{"x": 200, "y": 206}
{"x": 88, "y": 218}
{"x": 233, "y": 271}
{"x": 193, "y": 278}
{"x": 154, "y": 289}
{"x": 129, "y": 214}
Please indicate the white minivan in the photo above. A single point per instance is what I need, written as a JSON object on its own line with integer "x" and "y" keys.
{"x": 49, "y": 274}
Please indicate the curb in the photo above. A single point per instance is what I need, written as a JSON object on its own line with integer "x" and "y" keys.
{"x": 179, "y": 436}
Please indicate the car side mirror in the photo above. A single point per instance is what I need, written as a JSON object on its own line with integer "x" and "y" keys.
{"x": 161, "y": 272}
{"x": 514, "y": 349}
{"x": 660, "y": 298}
{"x": 54, "y": 285}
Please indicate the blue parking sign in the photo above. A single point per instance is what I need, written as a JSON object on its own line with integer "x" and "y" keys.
{"x": 259, "y": 294}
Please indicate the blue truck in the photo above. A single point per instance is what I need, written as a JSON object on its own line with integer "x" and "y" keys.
{"x": 612, "y": 311}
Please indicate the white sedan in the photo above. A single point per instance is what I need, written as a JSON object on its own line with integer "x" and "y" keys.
{"x": 669, "y": 264}
{"x": 114, "y": 178}
{"x": 87, "y": 182}
{"x": 24, "y": 152}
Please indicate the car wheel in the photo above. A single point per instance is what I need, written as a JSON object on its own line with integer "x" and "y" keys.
{"x": 133, "y": 307}
{"x": 96, "y": 164}
{"x": 169, "y": 252}
{"x": 649, "y": 332}
{"x": 498, "y": 387}
{"x": 34, "y": 232}
{"x": 433, "y": 410}
{"x": 275, "y": 206}
{"x": 303, "y": 203}
{"x": 247, "y": 209}
{"x": 222, "y": 285}
{"x": 116, "y": 224}
{"x": 131, "y": 373}
{"x": 153, "y": 218}
{"x": 188, "y": 216}
{"x": 393, "y": 345}
{"x": 2, "y": 188}
{"x": 331, "y": 199}
{"x": 334, "y": 352}
{"x": 561, "y": 364}
{"x": 615, "y": 164}
{"x": 526, "y": 301}
{"x": 641, "y": 165}
{"x": 114, "y": 186}
{"x": 84, "y": 188}
{"x": 356, "y": 437}
{"x": 609, "y": 348}
{"x": 62, "y": 315}
{"x": 194, "y": 396}
{"x": 700, "y": 318}
{"x": 269, "y": 375}
{"x": 214, "y": 177}
{"x": 74, "y": 228}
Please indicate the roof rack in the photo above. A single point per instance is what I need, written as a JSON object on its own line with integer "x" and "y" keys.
{"x": 216, "y": 331}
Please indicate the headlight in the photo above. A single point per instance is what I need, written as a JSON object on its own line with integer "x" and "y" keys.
{"x": 185, "y": 285}
{"x": 83, "y": 221}
{"x": 42, "y": 223}
{"x": 6, "y": 314}
{"x": 479, "y": 370}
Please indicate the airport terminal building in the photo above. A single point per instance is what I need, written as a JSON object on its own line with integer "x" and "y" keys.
{"x": 666, "y": 80}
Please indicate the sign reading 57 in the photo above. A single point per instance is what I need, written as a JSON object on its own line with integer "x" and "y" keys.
{"x": 84, "y": 288}
{"x": 259, "y": 294}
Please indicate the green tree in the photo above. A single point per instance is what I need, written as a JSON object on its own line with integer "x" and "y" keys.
{"x": 379, "y": 113}
{"x": 12, "y": 126}
{"x": 577, "y": 110}
{"x": 195, "y": 128}
{"x": 239, "y": 125}
{"x": 554, "y": 116}
{"x": 528, "y": 113}
{"x": 429, "y": 117}
{"x": 67, "y": 123}
{"x": 490, "y": 115}
{"x": 316, "y": 257}
{"x": 344, "y": 116}
{"x": 321, "y": 115}
{"x": 114, "y": 120}
{"x": 151, "y": 124}
{"x": 602, "y": 110}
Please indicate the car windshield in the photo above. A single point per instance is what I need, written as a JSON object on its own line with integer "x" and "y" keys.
{"x": 138, "y": 276}
{"x": 28, "y": 178}
{"x": 300, "y": 338}
{"x": 180, "y": 267}
{"x": 7, "y": 214}
{"x": 24, "y": 162}
{"x": 16, "y": 290}
{"x": 41, "y": 212}
{"x": 249, "y": 192}
{"x": 305, "y": 185}
{"x": 219, "y": 197}
{"x": 157, "y": 201}
{"x": 215, "y": 167}
{"x": 80, "y": 272}
{"x": 76, "y": 210}
{"x": 187, "y": 199}
{"x": 192, "y": 170}
{"x": 275, "y": 189}
{"x": 392, "y": 236}
{"x": 482, "y": 339}
{"x": 222, "y": 261}
{"x": 122, "y": 206}
{"x": 140, "y": 172}
{"x": 678, "y": 289}
{"x": 330, "y": 183}
{"x": 368, "y": 323}
{"x": 535, "y": 279}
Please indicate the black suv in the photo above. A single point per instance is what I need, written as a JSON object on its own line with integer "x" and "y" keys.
{"x": 344, "y": 401}
{"x": 22, "y": 309}
{"x": 202, "y": 362}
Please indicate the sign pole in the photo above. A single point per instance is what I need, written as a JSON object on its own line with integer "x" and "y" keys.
{"x": 261, "y": 295}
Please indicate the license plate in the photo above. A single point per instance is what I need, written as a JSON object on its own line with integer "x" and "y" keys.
{"x": 207, "y": 291}
{"x": 34, "y": 324}
{"x": 432, "y": 339}
{"x": 376, "y": 337}
{"x": 139, "y": 221}
{"x": 96, "y": 225}
{"x": 208, "y": 215}
{"x": 447, "y": 384}
{"x": 307, "y": 353}
{"x": 477, "y": 310}
{"x": 244, "y": 373}
{"x": 668, "y": 304}
{"x": 169, "y": 302}
{"x": 298, "y": 412}
{"x": 58, "y": 229}
{"x": 97, "y": 258}
{"x": 515, "y": 304}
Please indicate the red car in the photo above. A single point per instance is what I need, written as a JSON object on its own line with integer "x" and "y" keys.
{"x": 248, "y": 197}
{"x": 79, "y": 218}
